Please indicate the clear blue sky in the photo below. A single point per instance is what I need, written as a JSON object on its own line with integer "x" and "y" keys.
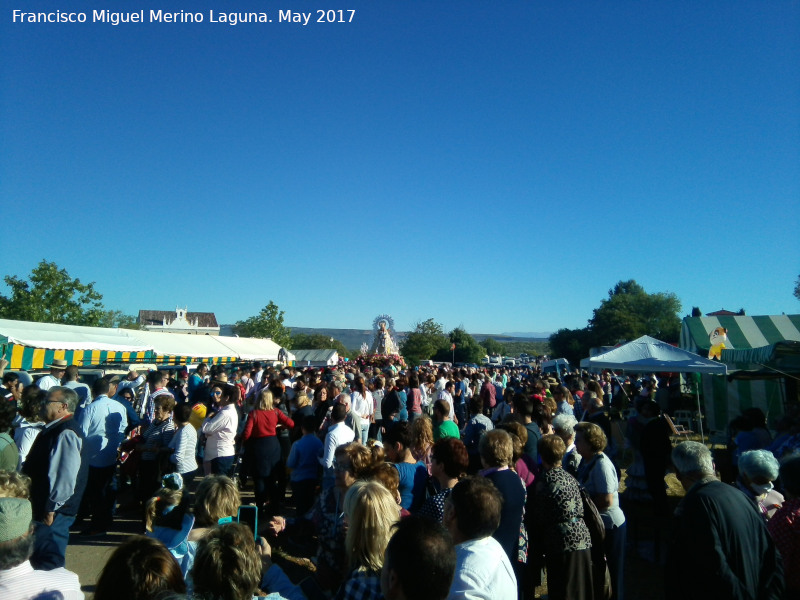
{"x": 494, "y": 165}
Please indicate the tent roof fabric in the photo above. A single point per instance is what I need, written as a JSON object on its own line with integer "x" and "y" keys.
{"x": 71, "y": 337}
{"x": 250, "y": 348}
{"x": 744, "y": 332}
{"x": 648, "y": 354}
{"x": 325, "y": 356}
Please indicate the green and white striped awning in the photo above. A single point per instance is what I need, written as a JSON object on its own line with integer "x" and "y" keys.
{"x": 754, "y": 344}
{"x": 744, "y": 332}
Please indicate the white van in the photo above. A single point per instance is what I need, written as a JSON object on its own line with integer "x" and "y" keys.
{"x": 558, "y": 367}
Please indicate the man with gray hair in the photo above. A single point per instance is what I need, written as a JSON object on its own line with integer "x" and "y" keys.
{"x": 352, "y": 420}
{"x": 57, "y": 465}
{"x": 564, "y": 427}
{"x": 720, "y": 546}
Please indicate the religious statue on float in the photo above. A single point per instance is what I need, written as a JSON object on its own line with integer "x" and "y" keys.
{"x": 383, "y": 342}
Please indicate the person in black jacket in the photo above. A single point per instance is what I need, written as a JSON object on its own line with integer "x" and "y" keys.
{"x": 57, "y": 465}
{"x": 720, "y": 547}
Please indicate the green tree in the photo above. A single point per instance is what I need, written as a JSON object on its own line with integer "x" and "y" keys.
{"x": 572, "y": 344}
{"x": 629, "y": 312}
{"x": 423, "y": 342}
{"x": 532, "y": 348}
{"x": 492, "y": 346}
{"x": 467, "y": 350}
{"x": 317, "y": 341}
{"x": 266, "y": 324}
{"x": 116, "y": 318}
{"x": 797, "y": 288}
{"x": 50, "y": 295}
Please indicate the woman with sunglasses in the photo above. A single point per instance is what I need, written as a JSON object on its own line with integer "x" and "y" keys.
{"x": 154, "y": 445}
{"x": 220, "y": 428}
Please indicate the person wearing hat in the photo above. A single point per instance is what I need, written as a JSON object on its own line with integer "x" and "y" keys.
{"x": 58, "y": 466}
{"x": 57, "y": 369}
{"x": 133, "y": 380}
{"x": 18, "y": 578}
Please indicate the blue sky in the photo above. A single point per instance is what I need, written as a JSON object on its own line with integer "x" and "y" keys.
{"x": 494, "y": 165}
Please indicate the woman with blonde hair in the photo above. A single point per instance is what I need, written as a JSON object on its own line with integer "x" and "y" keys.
{"x": 422, "y": 432}
{"x": 370, "y": 511}
{"x": 263, "y": 449}
{"x": 216, "y": 498}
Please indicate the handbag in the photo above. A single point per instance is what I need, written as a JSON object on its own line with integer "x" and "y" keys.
{"x": 601, "y": 577}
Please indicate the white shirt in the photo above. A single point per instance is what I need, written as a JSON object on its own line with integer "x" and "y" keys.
{"x": 24, "y": 435}
{"x": 46, "y": 382}
{"x": 289, "y": 385}
{"x": 483, "y": 572}
{"x": 337, "y": 435}
{"x": 220, "y": 431}
{"x": 127, "y": 383}
{"x": 363, "y": 406}
{"x": 184, "y": 443}
{"x": 443, "y": 395}
{"x": 24, "y": 583}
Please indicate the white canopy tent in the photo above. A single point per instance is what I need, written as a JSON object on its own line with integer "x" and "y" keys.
{"x": 250, "y": 349}
{"x": 649, "y": 355}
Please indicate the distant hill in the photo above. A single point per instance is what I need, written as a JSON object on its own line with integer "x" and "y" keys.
{"x": 353, "y": 338}
{"x": 530, "y": 335}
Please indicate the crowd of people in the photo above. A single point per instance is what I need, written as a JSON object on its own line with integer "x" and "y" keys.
{"x": 431, "y": 482}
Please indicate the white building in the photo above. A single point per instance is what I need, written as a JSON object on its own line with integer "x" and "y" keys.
{"x": 180, "y": 321}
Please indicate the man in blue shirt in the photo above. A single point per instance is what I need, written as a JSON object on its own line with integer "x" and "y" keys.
{"x": 103, "y": 423}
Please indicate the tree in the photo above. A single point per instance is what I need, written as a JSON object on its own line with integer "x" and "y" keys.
{"x": 492, "y": 346}
{"x": 318, "y": 341}
{"x": 423, "y": 342}
{"x": 572, "y": 344}
{"x": 630, "y": 312}
{"x": 797, "y": 288}
{"x": 50, "y": 295}
{"x": 116, "y": 318}
{"x": 266, "y": 324}
{"x": 467, "y": 350}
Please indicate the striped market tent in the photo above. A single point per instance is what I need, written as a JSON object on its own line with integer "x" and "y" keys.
{"x": 29, "y": 346}
{"x": 726, "y": 397}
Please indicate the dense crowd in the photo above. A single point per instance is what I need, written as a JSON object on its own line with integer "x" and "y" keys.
{"x": 432, "y": 482}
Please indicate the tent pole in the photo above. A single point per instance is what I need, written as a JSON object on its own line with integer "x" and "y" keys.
{"x": 699, "y": 413}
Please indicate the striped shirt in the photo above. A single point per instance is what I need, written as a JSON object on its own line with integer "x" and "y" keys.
{"x": 23, "y": 582}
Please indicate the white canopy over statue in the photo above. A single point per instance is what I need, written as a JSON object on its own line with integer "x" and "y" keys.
{"x": 383, "y": 342}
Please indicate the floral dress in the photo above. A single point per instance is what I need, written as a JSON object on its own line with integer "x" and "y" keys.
{"x": 559, "y": 513}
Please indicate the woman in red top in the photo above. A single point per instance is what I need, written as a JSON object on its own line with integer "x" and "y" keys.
{"x": 263, "y": 450}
